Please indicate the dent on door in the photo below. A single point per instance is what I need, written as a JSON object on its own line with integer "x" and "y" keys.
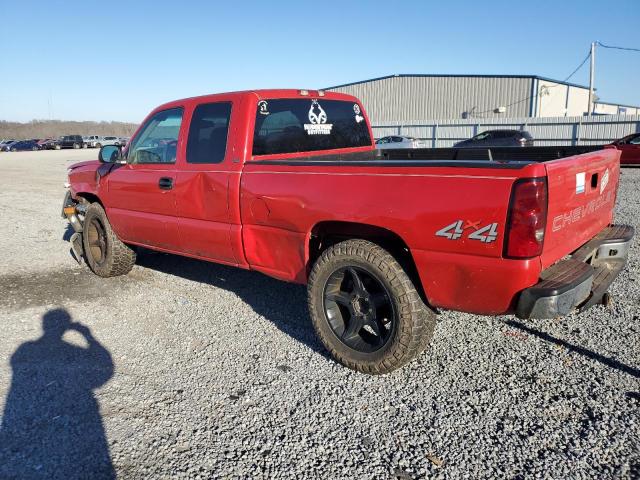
{"x": 204, "y": 214}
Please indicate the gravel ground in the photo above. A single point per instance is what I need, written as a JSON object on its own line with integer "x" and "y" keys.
{"x": 184, "y": 369}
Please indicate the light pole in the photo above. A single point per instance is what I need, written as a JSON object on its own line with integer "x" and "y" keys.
{"x": 591, "y": 78}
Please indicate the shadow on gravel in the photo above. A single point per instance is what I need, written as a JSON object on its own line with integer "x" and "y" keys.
{"x": 51, "y": 425}
{"x": 68, "y": 231}
{"x": 609, "y": 362}
{"x": 284, "y": 304}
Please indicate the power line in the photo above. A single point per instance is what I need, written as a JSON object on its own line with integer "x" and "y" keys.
{"x": 600, "y": 44}
{"x": 538, "y": 93}
{"x": 577, "y": 68}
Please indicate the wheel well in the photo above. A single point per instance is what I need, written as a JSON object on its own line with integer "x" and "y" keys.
{"x": 89, "y": 197}
{"x": 326, "y": 234}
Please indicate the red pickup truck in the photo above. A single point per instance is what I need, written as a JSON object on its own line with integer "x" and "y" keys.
{"x": 289, "y": 183}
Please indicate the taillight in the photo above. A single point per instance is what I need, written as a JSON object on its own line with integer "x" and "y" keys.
{"x": 526, "y": 219}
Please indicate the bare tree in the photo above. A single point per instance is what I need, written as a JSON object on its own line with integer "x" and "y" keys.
{"x": 57, "y": 128}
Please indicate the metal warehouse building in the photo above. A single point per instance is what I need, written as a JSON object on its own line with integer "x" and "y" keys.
{"x": 410, "y": 98}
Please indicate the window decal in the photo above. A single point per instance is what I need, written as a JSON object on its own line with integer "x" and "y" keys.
{"x": 318, "y": 125}
{"x": 263, "y": 107}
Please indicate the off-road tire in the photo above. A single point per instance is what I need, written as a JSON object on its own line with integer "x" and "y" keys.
{"x": 415, "y": 320}
{"x": 119, "y": 258}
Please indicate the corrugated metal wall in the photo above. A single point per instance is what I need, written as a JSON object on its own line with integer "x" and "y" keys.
{"x": 546, "y": 131}
{"x": 409, "y": 98}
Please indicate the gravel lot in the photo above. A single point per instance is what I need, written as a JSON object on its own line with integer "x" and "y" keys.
{"x": 184, "y": 369}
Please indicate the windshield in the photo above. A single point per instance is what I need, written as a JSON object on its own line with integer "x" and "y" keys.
{"x": 307, "y": 125}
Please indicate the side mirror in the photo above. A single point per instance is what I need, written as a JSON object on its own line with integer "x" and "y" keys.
{"x": 110, "y": 154}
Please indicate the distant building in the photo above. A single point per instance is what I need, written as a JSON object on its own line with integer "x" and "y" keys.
{"x": 408, "y": 98}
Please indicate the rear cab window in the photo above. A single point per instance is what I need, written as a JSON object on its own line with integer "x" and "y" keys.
{"x": 308, "y": 125}
{"x": 207, "y": 141}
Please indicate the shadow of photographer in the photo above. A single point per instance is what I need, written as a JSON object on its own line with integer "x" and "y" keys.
{"x": 51, "y": 425}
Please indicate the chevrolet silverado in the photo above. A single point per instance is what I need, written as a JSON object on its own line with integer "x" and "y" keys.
{"x": 289, "y": 183}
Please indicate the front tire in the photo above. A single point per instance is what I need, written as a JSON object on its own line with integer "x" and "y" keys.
{"x": 365, "y": 308}
{"x": 76, "y": 146}
{"x": 105, "y": 254}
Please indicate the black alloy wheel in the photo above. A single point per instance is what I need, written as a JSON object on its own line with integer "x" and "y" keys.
{"x": 365, "y": 309}
{"x": 359, "y": 309}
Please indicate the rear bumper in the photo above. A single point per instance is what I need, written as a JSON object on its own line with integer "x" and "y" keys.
{"x": 581, "y": 280}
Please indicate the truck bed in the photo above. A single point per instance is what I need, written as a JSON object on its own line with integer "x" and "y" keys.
{"x": 416, "y": 194}
{"x": 498, "y": 157}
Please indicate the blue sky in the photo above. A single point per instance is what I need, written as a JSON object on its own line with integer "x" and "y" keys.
{"x": 87, "y": 60}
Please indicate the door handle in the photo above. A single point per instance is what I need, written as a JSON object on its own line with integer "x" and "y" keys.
{"x": 165, "y": 183}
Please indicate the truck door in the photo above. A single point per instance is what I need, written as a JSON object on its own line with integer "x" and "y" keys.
{"x": 203, "y": 183}
{"x": 141, "y": 198}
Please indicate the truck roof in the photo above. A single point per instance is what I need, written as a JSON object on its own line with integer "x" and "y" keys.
{"x": 262, "y": 94}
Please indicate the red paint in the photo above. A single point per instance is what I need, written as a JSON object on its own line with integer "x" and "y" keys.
{"x": 245, "y": 213}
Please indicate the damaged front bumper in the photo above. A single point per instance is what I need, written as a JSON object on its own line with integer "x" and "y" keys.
{"x": 580, "y": 281}
{"x": 73, "y": 212}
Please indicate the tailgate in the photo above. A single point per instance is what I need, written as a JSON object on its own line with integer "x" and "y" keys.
{"x": 582, "y": 192}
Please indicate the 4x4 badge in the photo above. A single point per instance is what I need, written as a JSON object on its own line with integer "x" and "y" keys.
{"x": 455, "y": 231}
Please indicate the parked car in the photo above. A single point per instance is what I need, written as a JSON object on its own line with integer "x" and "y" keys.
{"x": 21, "y": 146}
{"x": 6, "y": 144}
{"x": 381, "y": 240}
{"x": 42, "y": 142}
{"x": 72, "y": 141}
{"x": 109, "y": 141}
{"x": 123, "y": 140}
{"x": 50, "y": 144}
{"x": 91, "y": 141}
{"x": 629, "y": 147}
{"x": 395, "y": 141}
{"x": 498, "y": 138}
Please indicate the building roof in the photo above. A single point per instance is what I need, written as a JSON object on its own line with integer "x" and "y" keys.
{"x": 599, "y": 102}
{"x": 537, "y": 77}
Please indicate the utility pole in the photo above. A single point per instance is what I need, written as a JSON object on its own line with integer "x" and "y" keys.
{"x": 591, "y": 77}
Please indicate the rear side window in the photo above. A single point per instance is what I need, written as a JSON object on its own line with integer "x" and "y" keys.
{"x": 308, "y": 125}
{"x": 208, "y": 133}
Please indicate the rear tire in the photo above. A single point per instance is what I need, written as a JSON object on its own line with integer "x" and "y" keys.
{"x": 98, "y": 145}
{"x": 105, "y": 254}
{"x": 76, "y": 146}
{"x": 357, "y": 279}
